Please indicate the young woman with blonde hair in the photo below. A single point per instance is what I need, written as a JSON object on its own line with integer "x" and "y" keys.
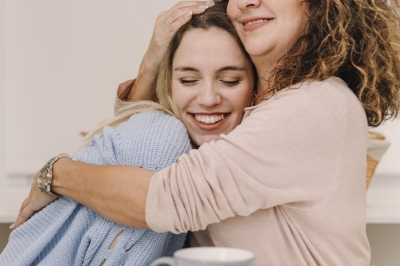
{"x": 289, "y": 182}
{"x": 145, "y": 134}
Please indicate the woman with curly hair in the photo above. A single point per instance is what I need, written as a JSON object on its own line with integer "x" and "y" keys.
{"x": 289, "y": 182}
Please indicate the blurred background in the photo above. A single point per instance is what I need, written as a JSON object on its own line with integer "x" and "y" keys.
{"x": 60, "y": 65}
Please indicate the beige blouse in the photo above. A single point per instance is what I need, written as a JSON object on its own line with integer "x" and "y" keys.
{"x": 287, "y": 184}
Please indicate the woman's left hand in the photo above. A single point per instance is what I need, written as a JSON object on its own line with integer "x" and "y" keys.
{"x": 166, "y": 25}
{"x": 35, "y": 201}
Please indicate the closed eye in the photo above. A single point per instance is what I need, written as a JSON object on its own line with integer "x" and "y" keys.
{"x": 188, "y": 81}
{"x": 231, "y": 82}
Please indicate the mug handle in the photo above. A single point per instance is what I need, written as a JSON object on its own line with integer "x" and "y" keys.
{"x": 166, "y": 260}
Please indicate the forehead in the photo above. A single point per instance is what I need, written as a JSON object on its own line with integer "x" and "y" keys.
{"x": 208, "y": 46}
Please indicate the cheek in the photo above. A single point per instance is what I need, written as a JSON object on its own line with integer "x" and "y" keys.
{"x": 176, "y": 97}
{"x": 181, "y": 96}
{"x": 229, "y": 8}
{"x": 176, "y": 91}
{"x": 174, "y": 88}
{"x": 232, "y": 10}
{"x": 248, "y": 89}
{"x": 245, "y": 99}
{"x": 241, "y": 99}
{"x": 298, "y": 19}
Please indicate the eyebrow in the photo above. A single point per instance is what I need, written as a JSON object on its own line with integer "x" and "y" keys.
{"x": 225, "y": 68}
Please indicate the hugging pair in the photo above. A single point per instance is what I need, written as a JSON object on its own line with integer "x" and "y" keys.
{"x": 287, "y": 183}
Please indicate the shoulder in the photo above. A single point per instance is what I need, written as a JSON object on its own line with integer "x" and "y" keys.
{"x": 154, "y": 125}
{"x": 332, "y": 89}
{"x": 151, "y": 118}
{"x": 334, "y": 96}
{"x": 315, "y": 107}
{"x": 331, "y": 95}
{"x": 151, "y": 139}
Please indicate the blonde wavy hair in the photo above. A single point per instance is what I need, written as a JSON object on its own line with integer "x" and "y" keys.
{"x": 215, "y": 17}
{"x": 356, "y": 40}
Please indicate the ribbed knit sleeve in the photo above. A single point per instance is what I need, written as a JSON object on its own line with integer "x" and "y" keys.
{"x": 67, "y": 233}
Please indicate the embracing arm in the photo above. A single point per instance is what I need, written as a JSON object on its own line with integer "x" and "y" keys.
{"x": 99, "y": 189}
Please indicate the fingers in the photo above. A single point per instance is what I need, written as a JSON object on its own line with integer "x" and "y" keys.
{"x": 182, "y": 12}
{"x": 165, "y": 27}
{"x": 168, "y": 22}
{"x": 34, "y": 202}
{"x": 24, "y": 214}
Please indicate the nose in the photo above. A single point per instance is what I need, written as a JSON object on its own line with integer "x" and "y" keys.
{"x": 244, "y": 4}
{"x": 208, "y": 95}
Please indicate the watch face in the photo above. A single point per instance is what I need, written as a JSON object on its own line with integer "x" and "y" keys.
{"x": 43, "y": 176}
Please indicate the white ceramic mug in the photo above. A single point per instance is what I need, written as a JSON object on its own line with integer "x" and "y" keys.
{"x": 208, "y": 256}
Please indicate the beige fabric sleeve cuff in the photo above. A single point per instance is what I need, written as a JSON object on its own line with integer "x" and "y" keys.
{"x": 121, "y": 96}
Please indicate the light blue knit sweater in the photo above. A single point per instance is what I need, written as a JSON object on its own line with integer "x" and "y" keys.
{"x": 67, "y": 233}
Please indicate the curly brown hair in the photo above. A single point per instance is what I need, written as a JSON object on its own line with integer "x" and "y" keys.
{"x": 356, "y": 40}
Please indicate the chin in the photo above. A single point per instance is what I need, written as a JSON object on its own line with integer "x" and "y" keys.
{"x": 205, "y": 139}
{"x": 255, "y": 48}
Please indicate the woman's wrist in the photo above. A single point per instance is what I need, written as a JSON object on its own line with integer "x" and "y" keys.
{"x": 144, "y": 86}
{"x": 60, "y": 175}
{"x": 98, "y": 187}
{"x": 45, "y": 178}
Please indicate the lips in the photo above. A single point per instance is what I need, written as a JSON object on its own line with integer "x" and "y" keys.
{"x": 209, "y": 122}
{"x": 250, "y": 24}
{"x": 208, "y": 119}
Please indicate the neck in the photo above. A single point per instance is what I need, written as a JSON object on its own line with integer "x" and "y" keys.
{"x": 264, "y": 71}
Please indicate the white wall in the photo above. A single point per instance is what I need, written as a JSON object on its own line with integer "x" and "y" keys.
{"x": 64, "y": 61}
{"x": 60, "y": 64}
{"x": 2, "y": 90}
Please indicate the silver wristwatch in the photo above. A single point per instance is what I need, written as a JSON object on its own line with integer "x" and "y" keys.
{"x": 46, "y": 176}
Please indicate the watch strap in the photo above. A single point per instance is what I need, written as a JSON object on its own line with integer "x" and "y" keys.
{"x": 45, "y": 178}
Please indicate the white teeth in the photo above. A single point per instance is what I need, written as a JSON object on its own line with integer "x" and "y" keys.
{"x": 209, "y": 119}
{"x": 255, "y": 22}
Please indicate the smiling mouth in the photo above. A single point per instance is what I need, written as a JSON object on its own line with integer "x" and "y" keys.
{"x": 209, "y": 119}
{"x": 255, "y": 22}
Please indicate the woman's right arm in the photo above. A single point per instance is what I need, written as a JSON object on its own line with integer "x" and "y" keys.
{"x": 165, "y": 27}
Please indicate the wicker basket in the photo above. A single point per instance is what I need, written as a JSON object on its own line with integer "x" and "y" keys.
{"x": 371, "y": 162}
{"x": 371, "y": 165}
